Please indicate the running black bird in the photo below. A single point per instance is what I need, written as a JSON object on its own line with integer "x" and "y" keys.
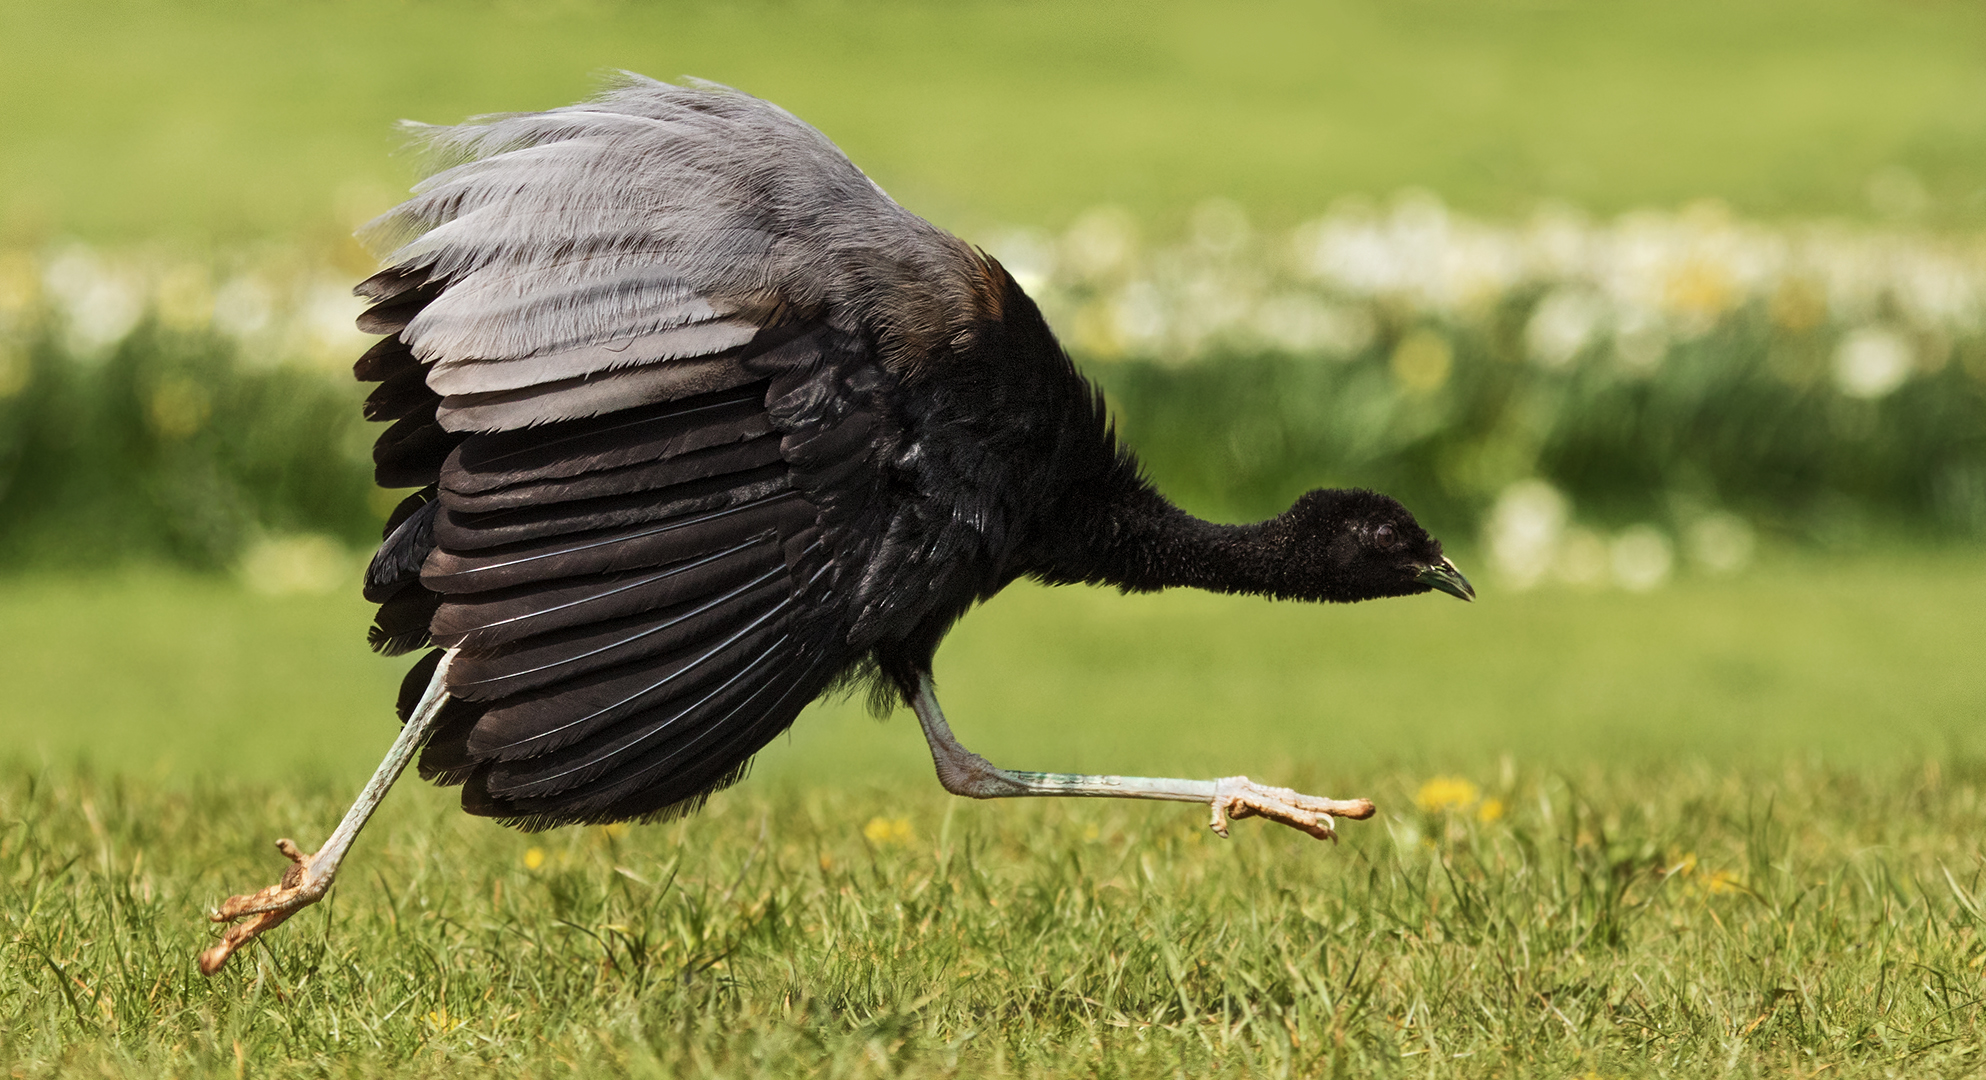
{"x": 704, "y": 425}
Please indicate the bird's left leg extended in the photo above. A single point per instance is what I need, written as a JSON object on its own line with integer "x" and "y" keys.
{"x": 309, "y": 876}
{"x": 966, "y": 773}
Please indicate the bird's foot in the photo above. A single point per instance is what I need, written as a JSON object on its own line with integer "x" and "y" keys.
{"x": 267, "y": 909}
{"x": 1240, "y": 797}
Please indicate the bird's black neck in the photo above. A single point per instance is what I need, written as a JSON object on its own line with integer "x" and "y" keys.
{"x": 1139, "y": 541}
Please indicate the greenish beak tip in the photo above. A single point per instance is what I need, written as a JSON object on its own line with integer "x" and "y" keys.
{"x": 1445, "y": 577}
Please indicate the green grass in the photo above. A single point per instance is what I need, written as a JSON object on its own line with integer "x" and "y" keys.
{"x": 1841, "y": 662}
{"x": 1660, "y": 921}
{"x": 1735, "y": 832}
{"x": 130, "y": 120}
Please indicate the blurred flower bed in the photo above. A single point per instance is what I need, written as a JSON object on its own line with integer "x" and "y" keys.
{"x": 1599, "y": 403}
{"x": 196, "y": 412}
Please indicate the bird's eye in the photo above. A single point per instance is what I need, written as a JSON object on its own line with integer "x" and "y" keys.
{"x": 1385, "y": 537}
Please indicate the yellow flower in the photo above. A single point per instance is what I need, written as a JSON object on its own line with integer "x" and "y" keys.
{"x": 20, "y": 283}
{"x": 887, "y": 830}
{"x": 440, "y": 1022}
{"x": 1422, "y": 360}
{"x": 1715, "y": 883}
{"x": 1490, "y": 810}
{"x": 1798, "y": 306}
{"x": 1447, "y": 793}
{"x": 534, "y": 858}
{"x": 179, "y": 408}
{"x": 1700, "y": 289}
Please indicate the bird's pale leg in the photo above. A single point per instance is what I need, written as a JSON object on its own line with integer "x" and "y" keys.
{"x": 966, "y": 773}
{"x": 309, "y": 876}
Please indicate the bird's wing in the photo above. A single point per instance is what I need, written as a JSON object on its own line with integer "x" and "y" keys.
{"x": 637, "y": 359}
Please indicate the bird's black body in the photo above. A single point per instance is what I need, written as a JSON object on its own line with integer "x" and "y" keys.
{"x": 750, "y": 450}
{"x": 702, "y": 425}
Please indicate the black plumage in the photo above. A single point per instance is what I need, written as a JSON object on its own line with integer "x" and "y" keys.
{"x": 705, "y": 425}
{"x": 702, "y": 425}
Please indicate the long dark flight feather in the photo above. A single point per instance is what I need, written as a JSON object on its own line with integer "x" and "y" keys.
{"x": 543, "y": 527}
{"x": 678, "y": 775}
{"x": 485, "y": 620}
{"x": 386, "y": 358}
{"x": 401, "y": 623}
{"x": 402, "y": 394}
{"x": 390, "y": 317}
{"x": 392, "y": 282}
{"x": 630, "y": 437}
{"x": 566, "y": 768}
{"x": 397, "y": 563}
{"x": 623, "y": 549}
{"x": 415, "y": 683}
{"x": 547, "y": 659}
{"x": 408, "y": 507}
{"x": 525, "y": 725}
{"x": 410, "y": 453}
{"x": 666, "y": 480}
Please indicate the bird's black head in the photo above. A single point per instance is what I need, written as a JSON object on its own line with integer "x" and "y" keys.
{"x": 1346, "y": 545}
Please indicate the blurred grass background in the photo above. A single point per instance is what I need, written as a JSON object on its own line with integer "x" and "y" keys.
{"x": 1872, "y": 663}
{"x": 207, "y": 121}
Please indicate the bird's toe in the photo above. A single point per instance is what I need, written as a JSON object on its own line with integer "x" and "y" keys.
{"x": 255, "y": 913}
{"x": 1240, "y": 797}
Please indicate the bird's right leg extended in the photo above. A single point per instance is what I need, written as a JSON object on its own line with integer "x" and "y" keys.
{"x": 966, "y": 773}
{"x": 309, "y": 876}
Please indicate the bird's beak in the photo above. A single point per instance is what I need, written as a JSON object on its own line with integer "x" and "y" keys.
{"x": 1445, "y": 577}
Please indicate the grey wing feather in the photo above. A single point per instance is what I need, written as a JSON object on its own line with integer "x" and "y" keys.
{"x": 571, "y": 398}
{"x": 676, "y": 343}
{"x": 562, "y": 236}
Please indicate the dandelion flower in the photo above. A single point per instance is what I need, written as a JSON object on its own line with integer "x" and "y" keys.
{"x": 1447, "y": 793}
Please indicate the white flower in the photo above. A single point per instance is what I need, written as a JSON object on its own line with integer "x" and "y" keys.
{"x": 1523, "y": 532}
{"x": 1220, "y": 227}
{"x": 99, "y": 302}
{"x": 1642, "y": 558}
{"x": 1871, "y": 362}
{"x": 1720, "y": 543}
{"x": 1301, "y": 323}
{"x": 1562, "y": 326}
{"x": 244, "y": 307}
{"x": 1101, "y": 244}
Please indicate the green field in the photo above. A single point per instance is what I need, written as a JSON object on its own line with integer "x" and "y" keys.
{"x": 1834, "y": 663}
{"x": 1727, "y": 828}
{"x": 1659, "y": 921}
{"x": 205, "y": 121}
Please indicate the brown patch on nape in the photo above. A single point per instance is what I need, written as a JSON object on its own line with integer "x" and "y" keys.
{"x": 945, "y": 311}
{"x": 990, "y": 285}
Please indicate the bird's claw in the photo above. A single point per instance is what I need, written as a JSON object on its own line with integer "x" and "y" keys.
{"x": 264, "y": 910}
{"x": 1239, "y": 797}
